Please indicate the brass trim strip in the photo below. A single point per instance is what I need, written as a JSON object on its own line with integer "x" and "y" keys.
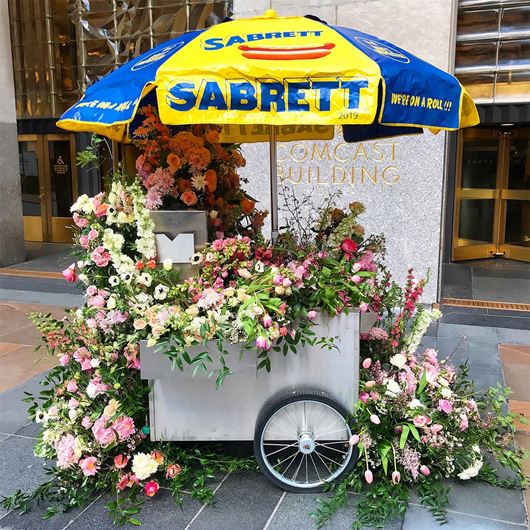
{"x": 486, "y": 304}
{"x": 29, "y": 273}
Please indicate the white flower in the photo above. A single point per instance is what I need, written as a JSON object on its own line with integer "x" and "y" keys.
{"x": 94, "y": 363}
{"x": 446, "y": 393}
{"x": 244, "y": 273}
{"x": 416, "y": 404}
{"x": 79, "y": 313}
{"x": 398, "y": 360}
{"x": 213, "y": 214}
{"x": 198, "y": 181}
{"x": 72, "y": 414}
{"x": 443, "y": 382}
{"x": 126, "y": 277}
{"x": 113, "y": 281}
{"x": 259, "y": 266}
{"x": 471, "y": 471}
{"x": 144, "y": 465}
{"x": 145, "y": 279}
{"x": 39, "y": 416}
{"x": 197, "y": 259}
{"x": 161, "y": 292}
{"x": 392, "y": 388}
{"x": 84, "y": 278}
{"x": 111, "y": 302}
{"x": 167, "y": 264}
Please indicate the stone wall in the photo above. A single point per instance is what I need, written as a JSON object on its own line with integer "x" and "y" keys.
{"x": 399, "y": 180}
{"x": 11, "y": 229}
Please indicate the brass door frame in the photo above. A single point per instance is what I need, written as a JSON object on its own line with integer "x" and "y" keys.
{"x": 43, "y": 164}
{"x": 501, "y": 194}
{"x": 486, "y": 250}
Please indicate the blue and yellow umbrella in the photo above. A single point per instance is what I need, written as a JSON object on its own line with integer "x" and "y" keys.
{"x": 278, "y": 71}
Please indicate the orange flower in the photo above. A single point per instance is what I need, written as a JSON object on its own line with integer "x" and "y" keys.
{"x": 209, "y": 200}
{"x": 183, "y": 185}
{"x": 247, "y": 205}
{"x": 173, "y": 162}
{"x": 211, "y": 180}
{"x": 219, "y": 202}
{"x": 212, "y": 136}
{"x": 189, "y": 198}
{"x": 157, "y": 456}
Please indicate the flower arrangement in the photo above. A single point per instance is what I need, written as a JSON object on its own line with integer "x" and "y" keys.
{"x": 418, "y": 418}
{"x": 192, "y": 169}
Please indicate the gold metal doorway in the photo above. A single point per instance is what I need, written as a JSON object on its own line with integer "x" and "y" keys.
{"x": 492, "y": 197}
{"x": 48, "y": 179}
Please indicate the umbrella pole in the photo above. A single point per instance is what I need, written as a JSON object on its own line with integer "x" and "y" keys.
{"x": 273, "y": 164}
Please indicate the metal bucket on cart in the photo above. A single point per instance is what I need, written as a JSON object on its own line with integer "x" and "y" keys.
{"x": 297, "y": 415}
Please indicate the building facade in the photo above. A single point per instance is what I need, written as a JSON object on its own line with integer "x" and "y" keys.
{"x": 447, "y": 197}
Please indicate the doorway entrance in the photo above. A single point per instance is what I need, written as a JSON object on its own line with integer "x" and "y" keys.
{"x": 48, "y": 179}
{"x": 492, "y": 196}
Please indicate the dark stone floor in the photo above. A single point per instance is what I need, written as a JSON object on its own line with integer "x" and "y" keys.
{"x": 246, "y": 501}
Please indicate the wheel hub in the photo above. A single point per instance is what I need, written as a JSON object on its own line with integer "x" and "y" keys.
{"x": 306, "y": 443}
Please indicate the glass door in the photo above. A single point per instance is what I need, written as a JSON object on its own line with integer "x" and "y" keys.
{"x": 477, "y": 206}
{"x": 515, "y": 196}
{"x": 492, "y": 195}
{"x": 34, "y": 207}
{"x": 49, "y": 186}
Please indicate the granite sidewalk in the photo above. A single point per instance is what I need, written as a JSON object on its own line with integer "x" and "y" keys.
{"x": 246, "y": 501}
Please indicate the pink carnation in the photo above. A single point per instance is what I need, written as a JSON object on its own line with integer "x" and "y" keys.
{"x": 124, "y": 426}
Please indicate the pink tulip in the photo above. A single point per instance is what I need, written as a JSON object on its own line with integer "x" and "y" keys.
{"x": 396, "y": 477}
{"x": 354, "y": 440}
{"x": 424, "y": 470}
{"x": 368, "y": 476}
{"x": 374, "y": 418}
{"x": 69, "y": 273}
{"x": 369, "y": 384}
{"x": 367, "y": 363}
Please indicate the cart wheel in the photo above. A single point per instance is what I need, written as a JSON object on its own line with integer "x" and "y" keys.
{"x": 301, "y": 441}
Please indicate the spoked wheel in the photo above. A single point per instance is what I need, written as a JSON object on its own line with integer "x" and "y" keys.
{"x": 301, "y": 441}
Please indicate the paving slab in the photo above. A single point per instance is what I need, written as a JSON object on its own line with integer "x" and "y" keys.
{"x": 294, "y": 514}
{"x": 472, "y": 333}
{"x": 244, "y": 501}
{"x": 20, "y": 468}
{"x": 486, "y": 320}
{"x": 481, "y": 356}
{"x": 513, "y": 336}
{"x": 418, "y": 518}
{"x": 500, "y": 289}
{"x": 13, "y": 411}
{"x": 30, "y": 430}
{"x": 157, "y": 513}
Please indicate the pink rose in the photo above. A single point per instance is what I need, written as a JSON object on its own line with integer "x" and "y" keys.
{"x": 93, "y": 234}
{"x": 445, "y": 406}
{"x": 84, "y": 242}
{"x": 69, "y": 273}
{"x": 311, "y": 315}
{"x": 89, "y": 466}
{"x": 81, "y": 222}
{"x": 421, "y": 421}
{"x": 151, "y": 488}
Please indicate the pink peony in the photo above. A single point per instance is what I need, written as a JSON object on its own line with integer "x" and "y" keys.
{"x": 71, "y": 386}
{"x": 124, "y": 426}
{"x": 445, "y": 406}
{"x": 65, "y": 448}
{"x": 69, "y": 273}
{"x": 86, "y": 422}
{"x": 103, "y": 435}
{"x": 100, "y": 256}
{"x": 81, "y": 222}
{"x": 89, "y": 466}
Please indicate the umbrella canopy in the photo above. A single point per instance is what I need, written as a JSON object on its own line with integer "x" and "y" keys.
{"x": 274, "y": 70}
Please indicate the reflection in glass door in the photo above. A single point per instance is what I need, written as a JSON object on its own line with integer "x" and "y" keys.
{"x": 49, "y": 185}
{"x": 492, "y": 198}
